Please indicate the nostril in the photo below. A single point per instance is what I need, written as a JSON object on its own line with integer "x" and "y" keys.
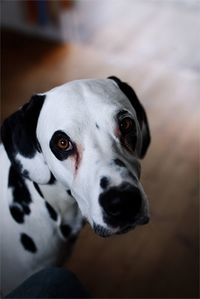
{"x": 114, "y": 207}
{"x": 104, "y": 182}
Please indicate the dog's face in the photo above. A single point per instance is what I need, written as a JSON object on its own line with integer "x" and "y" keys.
{"x": 91, "y": 134}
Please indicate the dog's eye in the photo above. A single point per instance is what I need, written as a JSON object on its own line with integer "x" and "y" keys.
{"x": 61, "y": 145}
{"x": 126, "y": 125}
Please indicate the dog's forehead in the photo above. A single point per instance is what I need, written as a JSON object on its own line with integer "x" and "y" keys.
{"x": 77, "y": 102}
{"x": 88, "y": 93}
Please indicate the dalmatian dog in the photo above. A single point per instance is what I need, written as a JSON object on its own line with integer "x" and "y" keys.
{"x": 68, "y": 155}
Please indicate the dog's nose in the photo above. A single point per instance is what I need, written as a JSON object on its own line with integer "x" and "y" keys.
{"x": 123, "y": 204}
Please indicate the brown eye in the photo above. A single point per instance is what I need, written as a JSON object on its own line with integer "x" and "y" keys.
{"x": 126, "y": 125}
{"x": 63, "y": 144}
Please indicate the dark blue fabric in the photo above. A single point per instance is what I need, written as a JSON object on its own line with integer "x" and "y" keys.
{"x": 50, "y": 283}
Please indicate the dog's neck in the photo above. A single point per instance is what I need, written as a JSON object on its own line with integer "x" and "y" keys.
{"x": 61, "y": 200}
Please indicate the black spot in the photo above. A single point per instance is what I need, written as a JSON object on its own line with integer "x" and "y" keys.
{"x": 118, "y": 162}
{"x": 65, "y": 230}
{"x": 27, "y": 209}
{"x": 51, "y": 211}
{"x": 28, "y": 243}
{"x": 69, "y": 192}
{"x": 132, "y": 176}
{"x": 21, "y": 196}
{"x": 18, "y": 132}
{"x": 52, "y": 180}
{"x": 25, "y": 172}
{"x": 38, "y": 189}
{"x": 17, "y": 213}
{"x": 97, "y": 126}
{"x": 104, "y": 182}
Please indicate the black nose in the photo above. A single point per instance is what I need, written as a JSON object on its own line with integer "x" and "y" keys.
{"x": 121, "y": 204}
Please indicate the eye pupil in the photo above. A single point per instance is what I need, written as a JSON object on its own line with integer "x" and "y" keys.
{"x": 126, "y": 125}
{"x": 63, "y": 143}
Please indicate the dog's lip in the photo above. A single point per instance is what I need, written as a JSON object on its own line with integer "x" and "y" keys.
{"x": 143, "y": 220}
{"x": 102, "y": 231}
{"x": 106, "y": 232}
{"x": 126, "y": 229}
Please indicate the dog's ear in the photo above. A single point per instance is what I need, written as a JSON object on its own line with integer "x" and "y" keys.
{"x": 18, "y": 134}
{"x": 140, "y": 113}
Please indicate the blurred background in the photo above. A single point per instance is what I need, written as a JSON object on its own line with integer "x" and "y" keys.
{"x": 154, "y": 45}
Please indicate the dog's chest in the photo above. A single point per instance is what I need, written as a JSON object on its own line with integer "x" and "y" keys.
{"x": 45, "y": 216}
{"x": 38, "y": 225}
{"x": 56, "y": 219}
{"x": 31, "y": 246}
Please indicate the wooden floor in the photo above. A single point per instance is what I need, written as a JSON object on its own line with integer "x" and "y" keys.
{"x": 153, "y": 46}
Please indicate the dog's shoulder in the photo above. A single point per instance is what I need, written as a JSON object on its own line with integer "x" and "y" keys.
{"x": 28, "y": 202}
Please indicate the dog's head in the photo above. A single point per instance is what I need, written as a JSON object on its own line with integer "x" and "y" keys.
{"x": 90, "y": 134}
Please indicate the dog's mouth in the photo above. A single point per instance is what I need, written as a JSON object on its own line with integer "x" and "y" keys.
{"x": 107, "y": 232}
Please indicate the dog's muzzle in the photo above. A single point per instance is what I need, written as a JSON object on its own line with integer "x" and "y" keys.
{"x": 123, "y": 207}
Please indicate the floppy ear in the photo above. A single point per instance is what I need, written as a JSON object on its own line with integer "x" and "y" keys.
{"x": 18, "y": 134}
{"x": 140, "y": 112}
